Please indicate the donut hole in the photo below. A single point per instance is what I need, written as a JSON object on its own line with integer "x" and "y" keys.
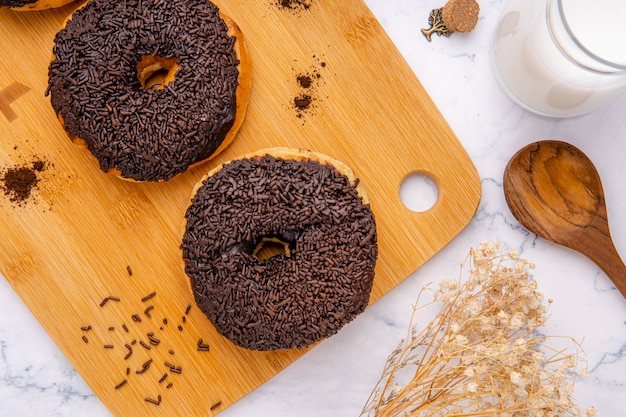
{"x": 269, "y": 247}
{"x": 156, "y": 71}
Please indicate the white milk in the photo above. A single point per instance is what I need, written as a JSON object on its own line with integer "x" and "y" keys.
{"x": 562, "y": 67}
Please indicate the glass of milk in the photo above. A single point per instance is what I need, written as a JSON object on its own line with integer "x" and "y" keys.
{"x": 562, "y": 58}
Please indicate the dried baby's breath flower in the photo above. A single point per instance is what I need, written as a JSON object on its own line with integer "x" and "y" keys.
{"x": 482, "y": 354}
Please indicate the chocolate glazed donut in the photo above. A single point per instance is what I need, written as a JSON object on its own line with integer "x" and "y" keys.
{"x": 33, "y": 5}
{"x": 280, "y": 247}
{"x": 150, "y": 87}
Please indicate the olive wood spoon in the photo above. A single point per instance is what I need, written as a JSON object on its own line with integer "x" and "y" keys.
{"x": 554, "y": 190}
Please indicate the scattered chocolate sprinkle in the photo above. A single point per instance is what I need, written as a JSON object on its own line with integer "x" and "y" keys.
{"x": 214, "y": 406}
{"x": 136, "y": 318}
{"x": 323, "y": 285}
{"x": 106, "y": 300}
{"x": 149, "y": 296}
{"x": 202, "y": 346}
{"x": 147, "y": 311}
{"x": 184, "y": 319}
{"x": 173, "y": 368}
{"x": 155, "y": 402}
{"x": 144, "y": 367}
{"x": 129, "y": 270}
{"x": 180, "y": 327}
{"x": 121, "y": 384}
{"x": 130, "y": 351}
{"x": 94, "y": 87}
{"x": 153, "y": 340}
{"x": 164, "y": 321}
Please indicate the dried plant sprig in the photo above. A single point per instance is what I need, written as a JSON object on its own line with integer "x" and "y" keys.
{"x": 482, "y": 354}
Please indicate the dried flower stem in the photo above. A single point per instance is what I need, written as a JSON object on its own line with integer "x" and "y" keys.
{"x": 482, "y": 354}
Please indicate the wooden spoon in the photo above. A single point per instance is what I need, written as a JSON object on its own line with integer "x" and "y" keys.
{"x": 554, "y": 191}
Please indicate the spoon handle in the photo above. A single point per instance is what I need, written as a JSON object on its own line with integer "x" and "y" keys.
{"x": 614, "y": 267}
{"x": 601, "y": 250}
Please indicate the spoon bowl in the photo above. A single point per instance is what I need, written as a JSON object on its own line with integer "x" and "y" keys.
{"x": 554, "y": 190}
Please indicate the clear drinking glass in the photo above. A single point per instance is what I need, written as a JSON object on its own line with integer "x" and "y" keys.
{"x": 562, "y": 58}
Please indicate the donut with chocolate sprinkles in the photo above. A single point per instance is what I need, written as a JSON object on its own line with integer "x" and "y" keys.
{"x": 33, "y": 5}
{"x": 150, "y": 87}
{"x": 280, "y": 248}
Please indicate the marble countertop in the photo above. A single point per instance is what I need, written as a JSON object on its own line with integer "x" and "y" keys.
{"x": 336, "y": 377}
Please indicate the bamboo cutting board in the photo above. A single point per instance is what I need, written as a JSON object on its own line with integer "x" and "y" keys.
{"x": 83, "y": 235}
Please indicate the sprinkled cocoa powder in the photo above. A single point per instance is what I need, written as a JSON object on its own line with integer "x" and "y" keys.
{"x": 307, "y": 83}
{"x": 302, "y": 102}
{"x": 287, "y": 300}
{"x": 294, "y": 4}
{"x": 18, "y": 182}
{"x": 304, "y": 80}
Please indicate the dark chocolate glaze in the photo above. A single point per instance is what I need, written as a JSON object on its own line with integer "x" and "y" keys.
{"x": 147, "y": 134}
{"x": 16, "y": 3}
{"x": 284, "y": 301}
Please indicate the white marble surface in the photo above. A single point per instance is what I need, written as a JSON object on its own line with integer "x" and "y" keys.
{"x": 335, "y": 379}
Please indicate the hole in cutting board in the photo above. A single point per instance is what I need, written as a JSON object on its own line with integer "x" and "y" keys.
{"x": 419, "y": 192}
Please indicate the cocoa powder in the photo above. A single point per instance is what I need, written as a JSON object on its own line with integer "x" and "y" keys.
{"x": 307, "y": 83}
{"x": 302, "y": 102}
{"x": 18, "y": 182}
{"x": 294, "y": 4}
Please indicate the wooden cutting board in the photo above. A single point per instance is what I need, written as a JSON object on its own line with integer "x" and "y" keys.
{"x": 83, "y": 235}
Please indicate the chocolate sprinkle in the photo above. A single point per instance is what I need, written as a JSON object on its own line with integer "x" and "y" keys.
{"x": 149, "y": 296}
{"x": 144, "y": 367}
{"x": 106, "y": 300}
{"x": 148, "y": 134}
{"x": 153, "y": 401}
{"x": 284, "y": 301}
{"x": 121, "y": 384}
{"x": 203, "y": 347}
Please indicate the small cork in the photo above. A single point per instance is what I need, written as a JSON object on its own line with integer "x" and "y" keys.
{"x": 460, "y": 15}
